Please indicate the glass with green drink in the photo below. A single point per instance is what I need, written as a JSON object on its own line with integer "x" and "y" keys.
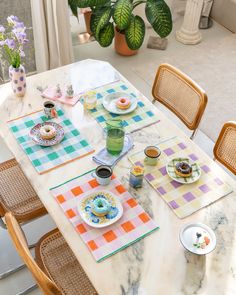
{"x": 115, "y": 136}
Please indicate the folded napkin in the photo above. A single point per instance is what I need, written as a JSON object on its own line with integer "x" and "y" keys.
{"x": 104, "y": 158}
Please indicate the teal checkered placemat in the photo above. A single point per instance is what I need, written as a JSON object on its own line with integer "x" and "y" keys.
{"x": 44, "y": 159}
{"x": 143, "y": 116}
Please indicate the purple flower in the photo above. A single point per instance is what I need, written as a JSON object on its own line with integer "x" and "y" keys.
{"x": 22, "y": 54}
{"x": 2, "y": 43}
{"x": 12, "y": 19}
{"x": 2, "y": 29}
{"x": 10, "y": 43}
{"x": 19, "y": 25}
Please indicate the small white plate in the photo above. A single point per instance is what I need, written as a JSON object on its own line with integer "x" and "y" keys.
{"x": 196, "y": 173}
{"x": 188, "y": 237}
{"x": 109, "y": 103}
{"x": 84, "y": 208}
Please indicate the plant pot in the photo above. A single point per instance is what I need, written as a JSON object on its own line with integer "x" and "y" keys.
{"x": 87, "y": 17}
{"x": 121, "y": 46}
{"x": 18, "y": 80}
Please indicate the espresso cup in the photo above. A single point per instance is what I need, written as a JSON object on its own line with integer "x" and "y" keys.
{"x": 152, "y": 154}
{"x": 50, "y": 109}
{"x": 103, "y": 174}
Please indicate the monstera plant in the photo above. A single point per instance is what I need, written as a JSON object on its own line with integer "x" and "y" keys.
{"x": 106, "y": 14}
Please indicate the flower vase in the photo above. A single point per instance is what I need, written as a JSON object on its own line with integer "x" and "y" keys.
{"x": 18, "y": 80}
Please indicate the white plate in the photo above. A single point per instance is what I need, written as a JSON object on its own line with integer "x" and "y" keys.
{"x": 109, "y": 103}
{"x": 188, "y": 237}
{"x": 84, "y": 209}
{"x": 196, "y": 174}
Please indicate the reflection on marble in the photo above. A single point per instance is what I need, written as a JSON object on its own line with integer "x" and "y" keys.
{"x": 158, "y": 264}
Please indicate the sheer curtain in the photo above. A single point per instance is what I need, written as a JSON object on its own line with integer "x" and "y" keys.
{"x": 52, "y": 37}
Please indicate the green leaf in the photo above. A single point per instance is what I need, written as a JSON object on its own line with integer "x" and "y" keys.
{"x": 122, "y": 13}
{"x": 135, "y": 33}
{"x": 73, "y": 6}
{"x": 90, "y": 3}
{"x": 106, "y": 35}
{"x": 159, "y": 16}
{"x": 99, "y": 19}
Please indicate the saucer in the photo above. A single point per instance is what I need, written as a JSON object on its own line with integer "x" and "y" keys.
{"x": 85, "y": 211}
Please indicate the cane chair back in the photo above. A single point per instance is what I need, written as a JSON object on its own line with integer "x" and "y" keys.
{"x": 180, "y": 94}
{"x": 225, "y": 147}
{"x": 44, "y": 282}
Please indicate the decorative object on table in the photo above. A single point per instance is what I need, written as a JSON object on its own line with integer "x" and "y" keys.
{"x": 58, "y": 91}
{"x": 120, "y": 103}
{"x": 136, "y": 176}
{"x": 72, "y": 147}
{"x": 105, "y": 158}
{"x": 134, "y": 225}
{"x": 50, "y": 92}
{"x": 12, "y": 41}
{"x": 103, "y": 174}
{"x": 69, "y": 91}
{"x": 157, "y": 43}
{"x": 183, "y": 170}
{"x": 47, "y": 133}
{"x": 129, "y": 28}
{"x": 189, "y": 32}
{"x": 50, "y": 109}
{"x": 198, "y": 238}
{"x": 100, "y": 209}
{"x": 90, "y": 100}
{"x": 183, "y": 199}
{"x": 141, "y": 117}
{"x": 115, "y": 136}
{"x": 152, "y": 153}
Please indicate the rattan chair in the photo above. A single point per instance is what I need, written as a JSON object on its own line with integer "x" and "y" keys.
{"x": 225, "y": 147}
{"x": 17, "y": 196}
{"x": 180, "y": 94}
{"x": 55, "y": 268}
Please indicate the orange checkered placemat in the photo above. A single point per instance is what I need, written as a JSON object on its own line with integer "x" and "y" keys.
{"x": 134, "y": 225}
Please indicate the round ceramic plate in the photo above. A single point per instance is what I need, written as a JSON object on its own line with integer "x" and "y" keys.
{"x": 196, "y": 171}
{"x": 189, "y": 237}
{"x": 84, "y": 208}
{"x": 36, "y": 137}
{"x": 109, "y": 103}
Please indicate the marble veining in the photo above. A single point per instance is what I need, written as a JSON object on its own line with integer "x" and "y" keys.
{"x": 157, "y": 264}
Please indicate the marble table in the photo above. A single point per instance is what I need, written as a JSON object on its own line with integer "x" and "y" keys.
{"x": 157, "y": 264}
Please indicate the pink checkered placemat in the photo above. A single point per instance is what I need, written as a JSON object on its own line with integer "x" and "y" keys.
{"x": 50, "y": 91}
{"x": 134, "y": 225}
{"x": 183, "y": 199}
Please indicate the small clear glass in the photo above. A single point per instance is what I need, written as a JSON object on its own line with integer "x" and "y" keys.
{"x": 90, "y": 100}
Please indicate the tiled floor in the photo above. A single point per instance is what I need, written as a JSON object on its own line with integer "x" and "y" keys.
{"x": 8, "y": 256}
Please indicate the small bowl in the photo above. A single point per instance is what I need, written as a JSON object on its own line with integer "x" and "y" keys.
{"x": 151, "y": 160}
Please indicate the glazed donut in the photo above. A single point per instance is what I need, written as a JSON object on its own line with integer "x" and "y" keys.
{"x": 123, "y": 103}
{"x": 183, "y": 169}
{"x": 100, "y": 206}
{"x": 47, "y": 132}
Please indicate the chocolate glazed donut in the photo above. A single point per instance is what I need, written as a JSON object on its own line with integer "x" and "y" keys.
{"x": 183, "y": 169}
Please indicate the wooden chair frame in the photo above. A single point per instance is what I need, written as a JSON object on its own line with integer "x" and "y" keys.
{"x": 231, "y": 125}
{"x": 195, "y": 87}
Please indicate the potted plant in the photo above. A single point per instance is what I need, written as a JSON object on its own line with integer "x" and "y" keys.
{"x": 116, "y": 18}
{"x": 12, "y": 41}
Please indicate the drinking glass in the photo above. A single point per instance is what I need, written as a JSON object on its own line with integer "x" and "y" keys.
{"x": 115, "y": 136}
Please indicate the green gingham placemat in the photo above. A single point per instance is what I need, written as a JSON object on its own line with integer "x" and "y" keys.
{"x": 143, "y": 116}
{"x": 44, "y": 159}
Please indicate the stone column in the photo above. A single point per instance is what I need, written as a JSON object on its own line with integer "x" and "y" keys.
{"x": 189, "y": 32}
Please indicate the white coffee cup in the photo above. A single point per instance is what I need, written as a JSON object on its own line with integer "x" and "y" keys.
{"x": 103, "y": 174}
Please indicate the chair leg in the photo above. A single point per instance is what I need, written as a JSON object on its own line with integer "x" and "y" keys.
{"x": 11, "y": 271}
{"x": 28, "y": 290}
{"x": 193, "y": 134}
{"x": 153, "y": 101}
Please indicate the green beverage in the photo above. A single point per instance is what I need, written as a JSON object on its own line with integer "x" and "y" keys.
{"x": 115, "y": 140}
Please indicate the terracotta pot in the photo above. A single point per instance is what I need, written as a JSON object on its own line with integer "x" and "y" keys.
{"x": 18, "y": 80}
{"x": 121, "y": 46}
{"x": 87, "y": 17}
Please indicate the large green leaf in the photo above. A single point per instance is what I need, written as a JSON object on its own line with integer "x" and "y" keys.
{"x": 99, "y": 19}
{"x": 90, "y": 3}
{"x": 106, "y": 35}
{"x": 122, "y": 13}
{"x": 159, "y": 16}
{"x": 135, "y": 32}
{"x": 73, "y": 6}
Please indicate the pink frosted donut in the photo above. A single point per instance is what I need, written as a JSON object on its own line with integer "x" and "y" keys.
{"x": 123, "y": 103}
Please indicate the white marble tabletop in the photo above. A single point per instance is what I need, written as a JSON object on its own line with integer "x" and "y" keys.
{"x": 157, "y": 264}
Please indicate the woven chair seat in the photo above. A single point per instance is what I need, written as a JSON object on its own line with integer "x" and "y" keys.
{"x": 56, "y": 259}
{"x": 17, "y": 194}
